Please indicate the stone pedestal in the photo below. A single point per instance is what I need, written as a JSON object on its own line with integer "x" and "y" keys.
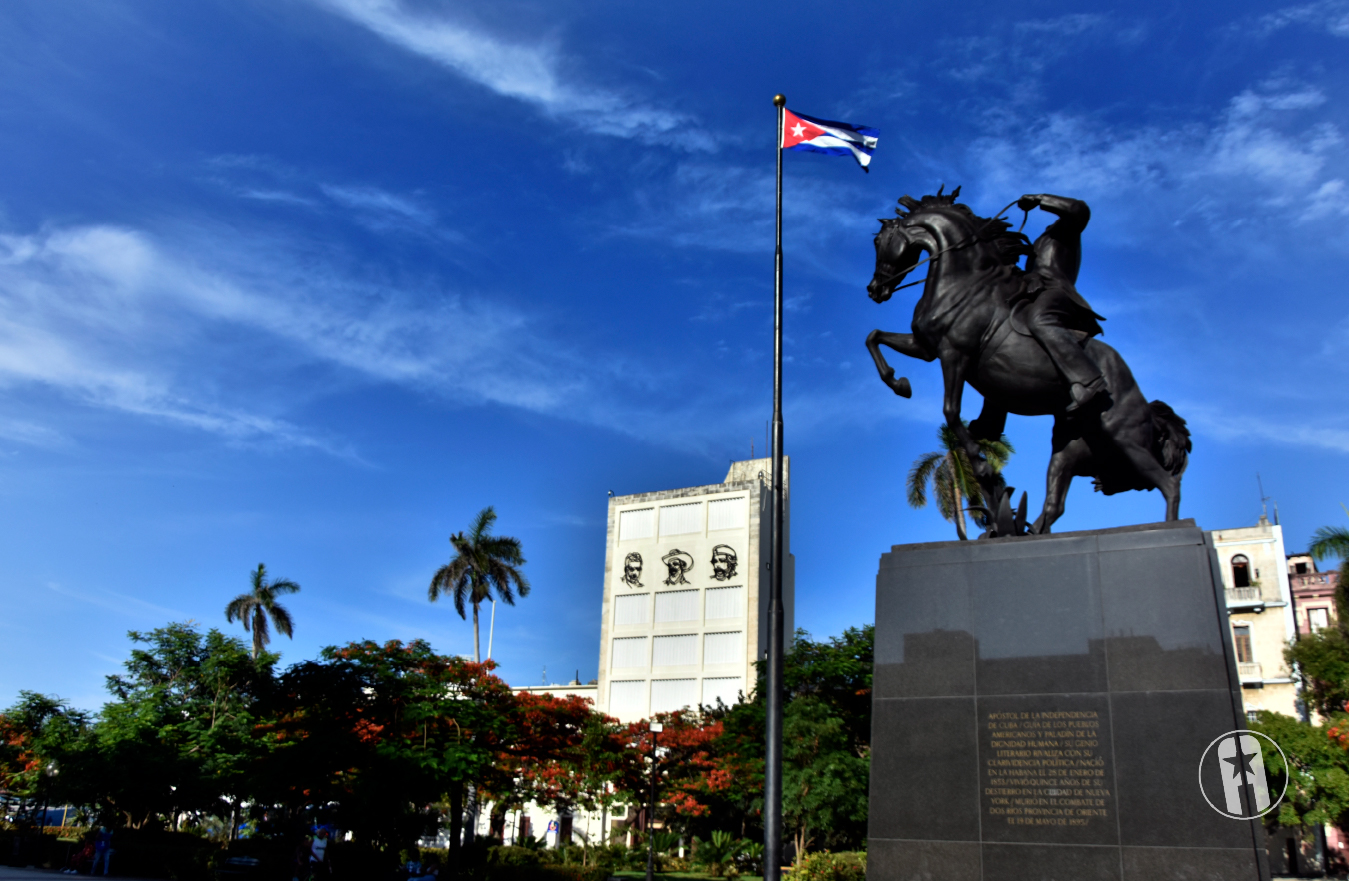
{"x": 1041, "y": 706}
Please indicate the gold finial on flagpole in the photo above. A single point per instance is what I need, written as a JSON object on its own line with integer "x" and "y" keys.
{"x": 779, "y": 100}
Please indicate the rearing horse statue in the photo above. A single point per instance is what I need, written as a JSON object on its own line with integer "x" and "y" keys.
{"x": 971, "y": 317}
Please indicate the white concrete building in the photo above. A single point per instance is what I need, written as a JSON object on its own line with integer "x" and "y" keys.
{"x": 685, "y": 599}
{"x": 1254, "y": 569}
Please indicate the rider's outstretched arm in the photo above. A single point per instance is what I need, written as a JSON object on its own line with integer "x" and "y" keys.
{"x": 1073, "y": 213}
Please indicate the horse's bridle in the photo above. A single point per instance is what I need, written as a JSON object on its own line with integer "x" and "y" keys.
{"x": 956, "y": 247}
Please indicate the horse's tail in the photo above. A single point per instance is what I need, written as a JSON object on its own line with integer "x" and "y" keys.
{"x": 1170, "y": 438}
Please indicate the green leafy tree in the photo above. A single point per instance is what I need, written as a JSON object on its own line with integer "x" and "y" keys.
{"x": 259, "y": 604}
{"x": 1318, "y": 787}
{"x": 824, "y": 781}
{"x": 180, "y": 734}
{"x": 382, "y": 732}
{"x": 39, "y": 737}
{"x": 954, "y": 485}
{"x": 484, "y": 567}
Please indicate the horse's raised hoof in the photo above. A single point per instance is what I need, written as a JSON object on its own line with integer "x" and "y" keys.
{"x": 902, "y": 387}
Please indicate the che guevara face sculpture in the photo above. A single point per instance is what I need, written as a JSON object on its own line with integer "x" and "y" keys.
{"x": 723, "y": 562}
{"x": 632, "y": 570}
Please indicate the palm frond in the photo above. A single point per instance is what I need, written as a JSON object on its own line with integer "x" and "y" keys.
{"x": 482, "y": 524}
{"x": 240, "y": 607}
{"x": 283, "y": 586}
{"x": 919, "y": 475}
{"x": 1330, "y": 541}
{"x": 282, "y": 620}
{"x": 944, "y": 491}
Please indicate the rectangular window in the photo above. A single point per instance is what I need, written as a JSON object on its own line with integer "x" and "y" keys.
{"x": 629, "y": 652}
{"x": 632, "y": 609}
{"x": 681, "y": 519}
{"x": 674, "y": 651}
{"x": 726, "y": 513}
{"x": 1318, "y": 619}
{"x": 676, "y": 605}
{"x": 636, "y": 524}
{"x": 668, "y": 695}
{"x": 627, "y": 696}
{"x": 1301, "y": 568}
{"x": 724, "y": 648}
{"x": 1242, "y": 638}
{"x": 727, "y": 688}
{"x": 726, "y": 602}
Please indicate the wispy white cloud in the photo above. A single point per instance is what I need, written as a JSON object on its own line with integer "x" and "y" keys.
{"x": 32, "y": 434}
{"x": 263, "y": 179}
{"x": 529, "y": 73}
{"x": 1262, "y": 149}
{"x": 1329, "y": 15}
{"x": 115, "y": 601}
{"x": 1246, "y": 427}
{"x": 118, "y": 318}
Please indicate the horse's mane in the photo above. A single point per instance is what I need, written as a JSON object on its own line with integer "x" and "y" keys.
{"x": 1010, "y": 245}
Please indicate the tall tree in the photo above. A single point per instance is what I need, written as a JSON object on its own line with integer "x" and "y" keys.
{"x": 259, "y": 604}
{"x": 952, "y": 477}
{"x": 484, "y": 567}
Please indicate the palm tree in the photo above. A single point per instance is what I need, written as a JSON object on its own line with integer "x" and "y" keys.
{"x": 1333, "y": 541}
{"x": 255, "y": 607}
{"x": 484, "y": 568}
{"x": 952, "y": 477}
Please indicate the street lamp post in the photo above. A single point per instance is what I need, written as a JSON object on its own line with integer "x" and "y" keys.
{"x": 655, "y": 729}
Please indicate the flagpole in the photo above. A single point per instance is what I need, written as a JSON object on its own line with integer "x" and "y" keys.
{"x": 773, "y": 724}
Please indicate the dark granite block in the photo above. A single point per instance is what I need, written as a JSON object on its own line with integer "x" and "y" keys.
{"x": 1188, "y": 864}
{"x": 930, "y": 651}
{"x": 1038, "y": 623}
{"x": 1046, "y": 769}
{"x": 924, "y": 777}
{"x": 1049, "y": 862}
{"x": 1117, "y": 627}
{"x": 1159, "y": 739}
{"x": 1161, "y": 633}
{"x": 889, "y": 860}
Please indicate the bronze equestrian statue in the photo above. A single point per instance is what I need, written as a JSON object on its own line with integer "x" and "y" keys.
{"x": 1025, "y": 339}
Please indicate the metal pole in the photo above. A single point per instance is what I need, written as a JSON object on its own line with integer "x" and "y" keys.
{"x": 772, "y": 846}
{"x": 656, "y": 728}
{"x": 491, "y": 630}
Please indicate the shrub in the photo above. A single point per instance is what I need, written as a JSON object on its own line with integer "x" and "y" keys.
{"x": 848, "y": 866}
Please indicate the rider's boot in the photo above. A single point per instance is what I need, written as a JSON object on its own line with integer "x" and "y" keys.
{"x": 1089, "y": 396}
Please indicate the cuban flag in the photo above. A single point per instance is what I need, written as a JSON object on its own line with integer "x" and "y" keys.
{"x": 801, "y": 132}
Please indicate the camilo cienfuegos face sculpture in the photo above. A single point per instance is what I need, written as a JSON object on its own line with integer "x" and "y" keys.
{"x": 677, "y": 563}
{"x": 1025, "y": 339}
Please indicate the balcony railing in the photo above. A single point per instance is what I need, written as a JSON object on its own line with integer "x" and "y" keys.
{"x": 1244, "y": 596}
{"x": 1250, "y": 672}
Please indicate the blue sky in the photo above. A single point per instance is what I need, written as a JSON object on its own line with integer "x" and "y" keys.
{"x": 310, "y": 282}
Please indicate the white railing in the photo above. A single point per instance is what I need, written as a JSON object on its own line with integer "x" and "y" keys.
{"x": 1243, "y": 595}
{"x": 1250, "y": 672}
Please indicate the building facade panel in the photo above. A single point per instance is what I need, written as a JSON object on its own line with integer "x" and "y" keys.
{"x": 699, "y": 554}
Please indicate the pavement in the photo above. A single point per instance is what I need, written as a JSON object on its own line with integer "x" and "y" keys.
{"x": 9, "y": 873}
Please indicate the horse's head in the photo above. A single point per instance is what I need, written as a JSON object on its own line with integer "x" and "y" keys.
{"x": 903, "y": 239}
{"x": 938, "y": 225}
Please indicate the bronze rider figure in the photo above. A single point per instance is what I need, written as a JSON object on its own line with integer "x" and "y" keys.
{"x": 1058, "y": 317}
